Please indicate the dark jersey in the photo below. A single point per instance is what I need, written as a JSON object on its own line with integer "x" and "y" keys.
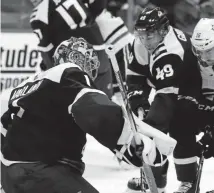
{"x": 171, "y": 70}
{"x": 54, "y": 21}
{"x": 51, "y": 114}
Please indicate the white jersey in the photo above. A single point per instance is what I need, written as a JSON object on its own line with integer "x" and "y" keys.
{"x": 207, "y": 74}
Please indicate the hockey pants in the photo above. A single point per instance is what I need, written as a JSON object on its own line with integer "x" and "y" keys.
{"x": 43, "y": 178}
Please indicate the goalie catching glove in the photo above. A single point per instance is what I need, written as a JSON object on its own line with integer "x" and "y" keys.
{"x": 148, "y": 151}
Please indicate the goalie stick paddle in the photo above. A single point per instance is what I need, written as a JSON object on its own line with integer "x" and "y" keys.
{"x": 146, "y": 168}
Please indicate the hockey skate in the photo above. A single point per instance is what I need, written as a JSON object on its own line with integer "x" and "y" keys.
{"x": 186, "y": 187}
{"x": 135, "y": 186}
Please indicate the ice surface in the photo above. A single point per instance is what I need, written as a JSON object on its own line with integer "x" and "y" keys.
{"x": 105, "y": 174}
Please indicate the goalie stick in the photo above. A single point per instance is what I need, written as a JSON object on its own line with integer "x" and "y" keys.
{"x": 146, "y": 168}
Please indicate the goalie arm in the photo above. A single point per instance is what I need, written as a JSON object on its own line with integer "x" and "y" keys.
{"x": 98, "y": 116}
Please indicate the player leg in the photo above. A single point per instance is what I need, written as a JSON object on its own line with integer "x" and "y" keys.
{"x": 34, "y": 178}
{"x": 186, "y": 164}
{"x": 160, "y": 175}
{"x": 185, "y": 153}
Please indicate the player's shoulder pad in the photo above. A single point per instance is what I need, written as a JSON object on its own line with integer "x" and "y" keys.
{"x": 54, "y": 74}
{"x": 40, "y": 13}
{"x": 140, "y": 52}
{"x": 174, "y": 43}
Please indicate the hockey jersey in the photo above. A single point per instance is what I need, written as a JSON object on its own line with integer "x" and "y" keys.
{"x": 54, "y": 21}
{"x": 206, "y": 103}
{"x": 52, "y": 112}
{"x": 171, "y": 70}
{"x": 207, "y": 74}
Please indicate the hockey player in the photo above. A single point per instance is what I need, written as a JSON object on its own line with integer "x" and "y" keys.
{"x": 48, "y": 118}
{"x": 162, "y": 59}
{"x": 61, "y": 19}
{"x": 56, "y": 20}
{"x": 203, "y": 47}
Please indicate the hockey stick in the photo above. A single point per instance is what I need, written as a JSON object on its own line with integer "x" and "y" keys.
{"x": 200, "y": 167}
{"x": 143, "y": 183}
{"x": 146, "y": 168}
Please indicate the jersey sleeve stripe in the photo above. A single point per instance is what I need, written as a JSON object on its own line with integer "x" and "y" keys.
{"x": 117, "y": 34}
{"x": 87, "y": 80}
{"x": 67, "y": 18}
{"x": 168, "y": 90}
{"x": 122, "y": 41}
{"x": 184, "y": 161}
{"x": 160, "y": 53}
{"x": 9, "y": 162}
{"x": 114, "y": 31}
{"x": 3, "y": 131}
{"x": 79, "y": 9}
{"x": 130, "y": 72}
{"x": 38, "y": 33}
{"x": 46, "y": 49}
{"x": 82, "y": 93}
{"x": 158, "y": 47}
{"x": 33, "y": 17}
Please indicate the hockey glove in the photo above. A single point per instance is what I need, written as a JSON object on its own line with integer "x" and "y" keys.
{"x": 137, "y": 154}
{"x": 206, "y": 143}
{"x": 139, "y": 103}
{"x": 127, "y": 149}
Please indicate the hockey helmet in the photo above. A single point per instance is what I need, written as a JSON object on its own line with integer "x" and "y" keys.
{"x": 79, "y": 52}
{"x": 152, "y": 19}
{"x": 203, "y": 41}
{"x": 151, "y": 27}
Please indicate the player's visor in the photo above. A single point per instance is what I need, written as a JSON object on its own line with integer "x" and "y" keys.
{"x": 149, "y": 38}
{"x": 144, "y": 34}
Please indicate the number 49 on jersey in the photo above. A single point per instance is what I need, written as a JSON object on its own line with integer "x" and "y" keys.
{"x": 165, "y": 72}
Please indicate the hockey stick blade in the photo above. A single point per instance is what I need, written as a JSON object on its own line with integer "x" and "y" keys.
{"x": 146, "y": 168}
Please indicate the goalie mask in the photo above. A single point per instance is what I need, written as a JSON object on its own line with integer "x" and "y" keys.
{"x": 203, "y": 41}
{"x": 79, "y": 52}
{"x": 151, "y": 27}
